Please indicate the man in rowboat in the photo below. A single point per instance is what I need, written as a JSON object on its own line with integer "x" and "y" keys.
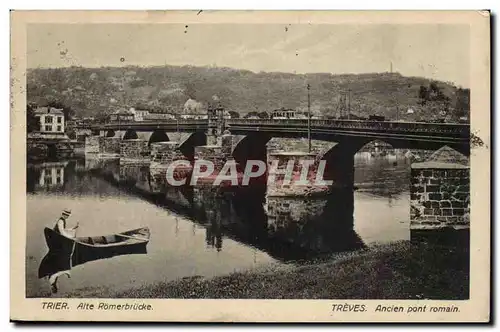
{"x": 60, "y": 226}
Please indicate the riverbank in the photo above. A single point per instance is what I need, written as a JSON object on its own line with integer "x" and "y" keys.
{"x": 396, "y": 271}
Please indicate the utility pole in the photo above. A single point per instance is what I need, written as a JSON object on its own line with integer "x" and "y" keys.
{"x": 309, "y": 116}
{"x": 342, "y": 105}
{"x": 349, "y": 104}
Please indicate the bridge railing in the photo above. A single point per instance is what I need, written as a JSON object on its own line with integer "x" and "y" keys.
{"x": 386, "y": 126}
{"x": 455, "y": 128}
{"x": 153, "y": 124}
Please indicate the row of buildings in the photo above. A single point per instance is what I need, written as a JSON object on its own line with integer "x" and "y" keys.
{"x": 191, "y": 110}
{"x": 52, "y": 119}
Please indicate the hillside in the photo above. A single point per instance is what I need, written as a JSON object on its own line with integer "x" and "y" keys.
{"x": 98, "y": 91}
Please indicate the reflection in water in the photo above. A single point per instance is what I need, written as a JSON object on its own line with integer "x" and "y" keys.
{"x": 382, "y": 176}
{"x": 286, "y": 227}
{"x": 318, "y": 225}
{"x": 65, "y": 253}
{"x": 50, "y": 176}
{"x": 243, "y": 227}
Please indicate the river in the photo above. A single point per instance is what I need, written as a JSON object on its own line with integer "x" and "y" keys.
{"x": 202, "y": 232}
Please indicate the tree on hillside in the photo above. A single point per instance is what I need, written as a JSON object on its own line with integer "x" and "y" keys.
{"x": 88, "y": 90}
{"x": 138, "y": 82}
{"x": 423, "y": 95}
{"x": 432, "y": 93}
{"x": 234, "y": 114}
{"x": 436, "y": 93}
{"x": 101, "y": 118}
{"x": 251, "y": 114}
{"x": 263, "y": 115}
{"x": 462, "y": 103}
{"x": 190, "y": 89}
{"x": 32, "y": 122}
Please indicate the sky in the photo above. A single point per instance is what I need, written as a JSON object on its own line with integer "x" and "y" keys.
{"x": 435, "y": 51}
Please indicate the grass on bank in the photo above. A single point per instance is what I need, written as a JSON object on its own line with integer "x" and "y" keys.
{"x": 396, "y": 271}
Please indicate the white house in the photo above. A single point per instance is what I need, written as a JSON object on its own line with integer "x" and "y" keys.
{"x": 51, "y": 119}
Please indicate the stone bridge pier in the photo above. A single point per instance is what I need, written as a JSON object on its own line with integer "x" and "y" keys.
{"x": 182, "y": 147}
{"x": 330, "y": 174}
{"x": 133, "y": 146}
{"x": 321, "y": 224}
{"x": 163, "y": 154}
{"x": 440, "y": 198}
{"x": 218, "y": 154}
{"x": 107, "y": 144}
{"x": 328, "y": 161}
{"x": 134, "y": 151}
{"x": 103, "y": 147}
{"x": 334, "y": 160}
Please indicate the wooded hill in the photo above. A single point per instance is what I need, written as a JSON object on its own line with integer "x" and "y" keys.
{"x": 100, "y": 91}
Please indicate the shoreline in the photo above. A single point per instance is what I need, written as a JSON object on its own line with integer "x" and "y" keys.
{"x": 400, "y": 270}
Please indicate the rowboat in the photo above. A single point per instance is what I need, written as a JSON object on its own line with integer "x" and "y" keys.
{"x": 65, "y": 253}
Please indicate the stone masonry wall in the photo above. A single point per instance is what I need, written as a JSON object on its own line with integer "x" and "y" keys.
{"x": 211, "y": 140}
{"x": 227, "y": 145}
{"x": 284, "y": 211}
{"x": 111, "y": 145}
{"x": 92, "y": 144}
{"x": 211, "y": 153}
{"x": 440, "y": 197}
{"x": 134, "y": 149}
{"x": 165, "y": 153}
{"x": 277, "y": 188}
{"x": 162, "y": 155}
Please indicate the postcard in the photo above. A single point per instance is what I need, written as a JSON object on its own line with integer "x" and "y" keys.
{"x": 250, "y": 166}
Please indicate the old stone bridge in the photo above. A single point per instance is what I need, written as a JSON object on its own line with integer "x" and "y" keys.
{"x": 244, "y": 139}
{"x": 219, "y": 140}
{"x": 398, "y": 134}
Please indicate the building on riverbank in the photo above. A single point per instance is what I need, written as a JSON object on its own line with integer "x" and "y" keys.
{"x": 50, "y": 140}
{"x": 51, "y": 120}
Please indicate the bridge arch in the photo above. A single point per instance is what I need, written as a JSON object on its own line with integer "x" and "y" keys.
{"x": 187, "y": 147}
{"x": 110, "y": 133}
{"x": 374, "y": 148}
{"x": 418, "y": 151}
{"x": 158, "y": 135}
{"x": 252, "y": 146}
{"x": 130, "y": 134}
{"x": 418, "y": 145}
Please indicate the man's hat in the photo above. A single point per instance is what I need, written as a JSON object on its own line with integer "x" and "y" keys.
{"x": 66, "y": 212}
